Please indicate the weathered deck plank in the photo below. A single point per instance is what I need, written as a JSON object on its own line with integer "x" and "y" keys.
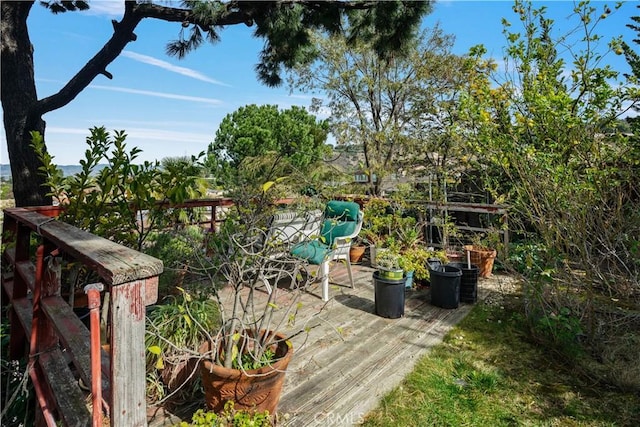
{"x": 350, "y": 357}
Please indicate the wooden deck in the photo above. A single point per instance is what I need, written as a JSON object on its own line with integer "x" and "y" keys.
{"x": 351, "y": 357}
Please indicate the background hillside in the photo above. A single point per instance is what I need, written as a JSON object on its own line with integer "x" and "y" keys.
{"x": 5, "y": 170}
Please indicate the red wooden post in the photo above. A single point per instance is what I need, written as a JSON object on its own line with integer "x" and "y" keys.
{"x": 20, "y": 288}
{"x": 42, "y": 339}
{"x": 93, "y": 295}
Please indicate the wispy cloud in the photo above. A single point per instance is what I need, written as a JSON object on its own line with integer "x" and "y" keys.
{"x": 303, "y": 97}
{"x": 188, "y": 72}
{"x": 143, "y": 133}
{"x": 169, "y": 135}
{"x": 108, "y": 8}
{"x": 159, "y": 94}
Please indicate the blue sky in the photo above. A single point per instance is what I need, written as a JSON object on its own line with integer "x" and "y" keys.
{"x": 171, "y": 107}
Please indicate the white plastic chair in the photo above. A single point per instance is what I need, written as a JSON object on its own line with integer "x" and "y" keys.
{"x": 285, "y": 230}
{"x": 342, "y": 223}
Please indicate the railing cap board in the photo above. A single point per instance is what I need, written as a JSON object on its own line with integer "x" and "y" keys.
{"x": 195, "y": 203}
{"x": 116, "y": 264}
{"x": 468, "y": 207}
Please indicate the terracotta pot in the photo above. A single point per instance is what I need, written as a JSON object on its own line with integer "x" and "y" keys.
{"x": 356, "y": 253}
{"x": 175, "y": 375}
{"x": 483, "y": 258}
{"x": 252, "y": 390}
{"x": 455, "y": 256}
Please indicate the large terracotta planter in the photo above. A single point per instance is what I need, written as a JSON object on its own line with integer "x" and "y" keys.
{"x": 483, "y": 258}
{"x": 175, "y": 375}
{"x": 252, "y": 390}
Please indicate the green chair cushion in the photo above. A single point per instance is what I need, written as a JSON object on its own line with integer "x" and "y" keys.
{"x": 340, "y": 220}
{"x": 346, "y": 211}
{"x": 313, "y": 251}
{"x": 332, "y": 228}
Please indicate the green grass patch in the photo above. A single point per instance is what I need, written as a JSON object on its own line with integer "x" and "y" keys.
{"x": 488, "y": 373}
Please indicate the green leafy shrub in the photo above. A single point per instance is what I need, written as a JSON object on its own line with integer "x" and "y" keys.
{"x": 229, "y": 417}
{"x": 528, "y": 258}
{"x": 113, "y": 196}
{"x": 175, "y": 330}
{"x": 561, "y": 330}
{"x": 551, "y": 144}
{"x": 17, "y": 391}
{"x": 386, "y": 225}
{"x": 177, "y": 248}
{"x": 416, "y": 259}
{"x": 6, "y": 189}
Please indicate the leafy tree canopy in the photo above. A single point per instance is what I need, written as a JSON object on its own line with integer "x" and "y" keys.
{"x": 385, "y": 104}
{"x": 253, "y": 131}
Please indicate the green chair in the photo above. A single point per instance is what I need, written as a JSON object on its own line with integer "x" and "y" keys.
{"x": 342, "y": 223}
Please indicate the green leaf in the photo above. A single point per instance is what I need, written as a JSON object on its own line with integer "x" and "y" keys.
{"x": 187, "y": 319}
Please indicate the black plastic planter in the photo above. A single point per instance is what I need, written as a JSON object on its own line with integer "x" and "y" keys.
{"x": 468, "y": 281}
{"x": 445, "y": 286}
{"x": 389, "y": 296}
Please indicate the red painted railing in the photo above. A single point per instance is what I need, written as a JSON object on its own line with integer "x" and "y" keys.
{"x": 63, "y": 353}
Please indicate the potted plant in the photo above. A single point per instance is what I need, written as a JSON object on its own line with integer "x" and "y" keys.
{"x": 482, "y": 253}
{"x": 244, "y": 358}
{"x": 389, "y": 284}
{"x": 357, "y": 250}
{"x": 175, "y": 331}
{"x": 390, "y": 264}
{"x": 240, "y": 351}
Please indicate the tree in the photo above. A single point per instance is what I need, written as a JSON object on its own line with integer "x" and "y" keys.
{"x": 253, "y": 131}
{"x": 284, "y": 25}
{"x": 385, "y": 104}
{"x": 551, "y": 147}
{"x": 633, "y": 59}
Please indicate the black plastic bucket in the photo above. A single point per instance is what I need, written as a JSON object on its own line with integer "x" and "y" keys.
{"x": 434, "y": 263}
{"x": 445, "y": 286}
{"x": 389, "y": 296}
{"x": 468, "y": 281}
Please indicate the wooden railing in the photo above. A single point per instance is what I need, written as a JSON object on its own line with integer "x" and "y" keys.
{"x": 213, "y": 208}
{"x": 44, "y": 326}
{"x": 444, "y": 209}
{"x": 213, "y": 213}
{"x": 448, "y": 210}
